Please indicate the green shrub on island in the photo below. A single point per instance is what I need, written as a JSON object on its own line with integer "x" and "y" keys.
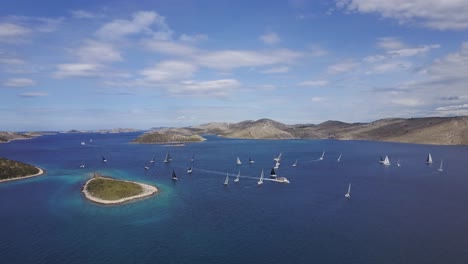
{"x": 110, "y": 189}
{"x": 10, "y": 169}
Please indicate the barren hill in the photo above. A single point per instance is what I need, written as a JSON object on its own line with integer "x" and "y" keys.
{"x": 429, "y": 130}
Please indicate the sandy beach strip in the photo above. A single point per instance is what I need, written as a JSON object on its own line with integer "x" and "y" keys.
{"x": 41, "y": 171}
{"x": 148, "y": 190}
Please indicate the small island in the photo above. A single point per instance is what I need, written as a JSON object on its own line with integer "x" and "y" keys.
{"x": 11, "y": 170}
{"x": 168, "y": 137}
{"x": 109, "y": 191}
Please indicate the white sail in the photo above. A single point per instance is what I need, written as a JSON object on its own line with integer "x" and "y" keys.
{"x": 226, "y": 181}
{"x": 261, "y": 179}
{"x": 277, "y": 159}
{"x": 238, "y": 176}
{"x": 238, "y": 162}
{"x": 348, "y": 194}
{"x": 323, "y": 155}
{"x": 429, "y": 159}
{"x": 295, "y": 164}
{"x": 386, "y": 162}
{"x": 339, "y": 158}
{"x": 441, "y": 163}
{"x": 167, "y": 158}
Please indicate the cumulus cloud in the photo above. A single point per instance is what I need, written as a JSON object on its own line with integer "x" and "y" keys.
{"x": 8, "y": 30}
{"x": 141, "y": 22}
{"x": 78, "y": 70}
{"x": 94, "y": 51}
{"x": 270, "y": 38}
{"x": 314, "y": 83}
{"x": 19, "y": 82}
{"x": 169, "y": 70}
{"x": 436, "y": 14}
{"x": 342, "y": 67}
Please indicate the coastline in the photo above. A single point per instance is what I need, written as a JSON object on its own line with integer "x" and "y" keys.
{"x": 148, "y": 190}
{"x": 41, "y": 172}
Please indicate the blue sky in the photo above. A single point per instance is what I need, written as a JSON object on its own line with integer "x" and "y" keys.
{"x": 141, "y": 64}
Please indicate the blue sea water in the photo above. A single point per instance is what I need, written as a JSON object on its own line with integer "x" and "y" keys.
{"x": 407, "y": 214}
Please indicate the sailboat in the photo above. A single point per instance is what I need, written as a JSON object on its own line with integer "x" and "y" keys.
{"x": 339, "y": 158}
{"x": 152, "y": 160}
{"x": 277, "y": 159}
{"x": 295, "y": 164}
{"x": 260, "y": 182}
{"x": 251, "y": 161}
{"x": 386, "y": 162}
{"x": 272, "y": 173}
{"x": 82, "y": 165}
{"x": 226, "y": 181}
{"x": 398, "y": 163}
{"x": 189, "y": 170}
{"x": 429, "y": 159}
{"x": 440, "y": 168}
{"x": 321, "y": 157}
{"x": 237, "y": 178}
{"x": 168, "y": 158}
{"x": 277, "y": 165}
{"x": 174, "y": 176}
{"x": 104, "y": 159}
{"x": 146, "y": 167}
{"x": 83, "y": 143}
{"x": 381, "y": 160}
{"x": 238, "y": 162}
{"x": 348, "y": 194}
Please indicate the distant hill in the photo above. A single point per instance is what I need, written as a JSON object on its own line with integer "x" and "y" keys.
{"x": 105, "y": 131}
{"x": 168, "y": 136}
{"x": 428, "y": 130}
{"x": 8, "y": 136}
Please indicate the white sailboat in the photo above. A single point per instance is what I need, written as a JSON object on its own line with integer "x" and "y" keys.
{"x": 277, "y": 159}
{"x": 251, "y": 161}
{"x": 189, "y": 170}
{"x": 348, "y": 194}
{"x": 146, "y": 167}
{"x": 260, "y": 182}
{"x": 238, "y": 162}
{"x": 152, "y": 160}
{"x": 339, "y": 158}
{"x": 295, "y": 164}
{"x": 226, "y": 181}
{"x": 323, "y": 155}
{"x": 104, "y": 159}
{"x": 440, "y": 168}
{"x": 82, "y": 165}
{"x": 168, "y": 158}
{"x": 398, "y": 163}
{"x": 83, "y": 143}
{"x": 174, "y": 176}
{"x": 237, "y": 178}
{"x": 429, "y": 159}
{"x": 386, "y": 162}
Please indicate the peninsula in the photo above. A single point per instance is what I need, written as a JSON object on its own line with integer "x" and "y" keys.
{"x": 109, "y": 191}
{"x": 6, "y": 137}
{"x": 427, "y": 130}
{"x": 168, "y": 136}
{"x": 11, "y": 170}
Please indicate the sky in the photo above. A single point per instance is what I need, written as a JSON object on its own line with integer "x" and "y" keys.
{"x": 142, "y": 64}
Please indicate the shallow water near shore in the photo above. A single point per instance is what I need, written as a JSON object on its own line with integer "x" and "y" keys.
{"x": 407, "y": 214}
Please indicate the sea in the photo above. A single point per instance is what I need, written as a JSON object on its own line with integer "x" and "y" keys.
{"x": 411, "y": 213}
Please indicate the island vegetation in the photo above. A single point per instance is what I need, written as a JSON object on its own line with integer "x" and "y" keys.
{"x": 6, "y": 137}
{"x": 106, "y": 190}
{"x": 427, "y": 130}
{"x": 13, "y": 170}
{"x": 168, "y": 136}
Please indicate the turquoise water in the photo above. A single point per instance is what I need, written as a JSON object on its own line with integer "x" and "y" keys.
{"x": 407, "y": 214}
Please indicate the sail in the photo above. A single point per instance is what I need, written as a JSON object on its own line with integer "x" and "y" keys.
{"x": 174, "y": 177}
{"x": 429, "y": 159}
{"x": 238, "y": 176}
{"x": 226, "y": 181}
{"x": 386, "y": 161}
{"x": 261, "y": 178}
{"x": 238, "y": 161}
{"x": 349, "y": 188}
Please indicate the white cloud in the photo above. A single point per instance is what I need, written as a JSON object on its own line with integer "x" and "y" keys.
{"x": 32, "y": 94}
{"x": 10, "y": 30}
{"x": 390, "y": 67}
{"x": 169, "y": 70}
{"x": 452, "y": 107}
{"x": 283, "y": 69}
{"x": 94, "y": 51}
{"x": 411, "y": 102}
{"x": 314, "y": 83}
{"x": 82, "y": 14}
{"x": 409, "y": 52}
{"x": 193, "y": 38}
{"x": 341, "y": 67}
{"x": 231, "y": 59}
{"x": 78, "y": 70}
{"x": 11, "y": 61}
{"x": 214, "y": 88}
{"x": 168, "y": 47}
{"x": 141, "y": 22}
{"x": 317, "y": 51}
{"x": 19, "y": 82}
{"x": 390, "y": 43}
{"x": 270, "y": 38}
{"x": 318, "y": 99}
{"x": 436, "y": 14}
